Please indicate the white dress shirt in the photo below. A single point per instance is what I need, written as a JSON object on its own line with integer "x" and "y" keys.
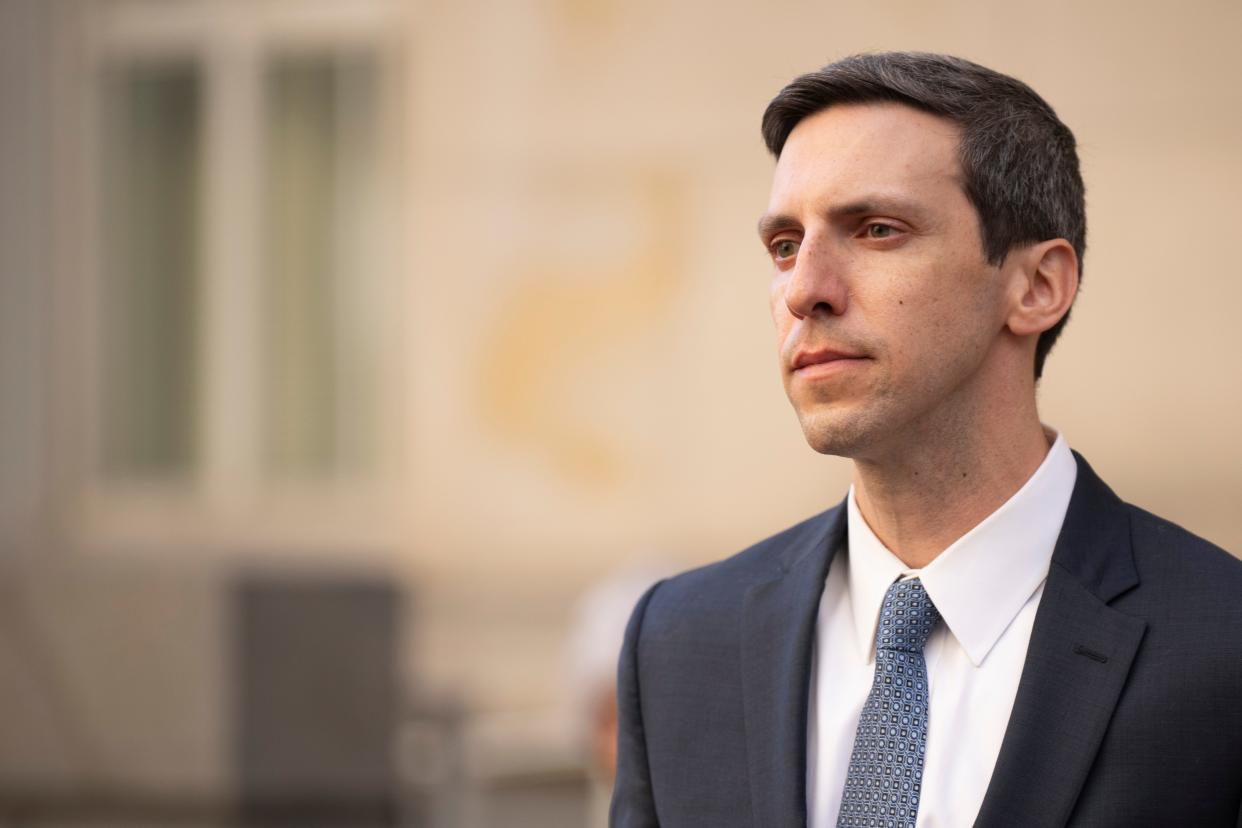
{"x": 987, "y": 586}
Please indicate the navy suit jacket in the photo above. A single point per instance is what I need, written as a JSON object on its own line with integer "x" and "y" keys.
{"x": 1128, "y": 712}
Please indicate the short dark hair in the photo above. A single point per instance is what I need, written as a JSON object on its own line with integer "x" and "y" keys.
{"x": 1019, "y": 162}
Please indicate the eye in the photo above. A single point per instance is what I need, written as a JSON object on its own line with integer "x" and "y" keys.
{"x": 880, "y": 231}
{"x": 784, "y": 249}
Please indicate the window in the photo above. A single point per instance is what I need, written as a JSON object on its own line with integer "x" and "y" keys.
{"x": 320, "y": 189}
{"x": 246, "y": 252}
{"x": 150, "y": 234}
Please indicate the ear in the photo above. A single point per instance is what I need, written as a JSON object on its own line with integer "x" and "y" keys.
{"x": 1044, "y": 284}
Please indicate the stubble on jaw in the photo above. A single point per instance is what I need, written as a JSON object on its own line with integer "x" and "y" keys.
{"x": 881, "y": 420}
{"x": 834, "y": 427}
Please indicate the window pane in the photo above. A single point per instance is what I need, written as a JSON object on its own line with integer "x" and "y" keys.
{"x": 150, "y": 264}
{"x": 321, "y": 155}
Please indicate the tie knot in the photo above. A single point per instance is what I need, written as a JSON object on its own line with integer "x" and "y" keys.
{"x": 906, "y": 618}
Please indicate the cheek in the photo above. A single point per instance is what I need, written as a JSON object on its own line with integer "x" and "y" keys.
{"x": 949, "y": 323}
{"x": 919, "y": 313}
{"x": 776, "y": 294}
{"x": 782, "y": 319}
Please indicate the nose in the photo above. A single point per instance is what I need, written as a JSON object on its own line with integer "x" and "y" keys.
{"x": 816, "y": 283}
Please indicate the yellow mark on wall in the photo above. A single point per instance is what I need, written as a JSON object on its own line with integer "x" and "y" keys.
{"x": 562, "y": 321}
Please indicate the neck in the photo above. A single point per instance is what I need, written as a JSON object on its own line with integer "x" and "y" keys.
{"x": 942, "y": 481}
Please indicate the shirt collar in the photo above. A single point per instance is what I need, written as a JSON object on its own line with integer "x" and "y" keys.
{"x": 981, "y": 581}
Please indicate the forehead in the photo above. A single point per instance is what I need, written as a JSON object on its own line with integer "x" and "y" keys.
{"x": 854, "y": 149}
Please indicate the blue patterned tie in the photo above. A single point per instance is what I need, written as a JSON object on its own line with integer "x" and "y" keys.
{"x": 886, "y": 767}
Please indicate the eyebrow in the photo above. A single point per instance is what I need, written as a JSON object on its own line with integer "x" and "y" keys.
{"x": 772, "y": 223}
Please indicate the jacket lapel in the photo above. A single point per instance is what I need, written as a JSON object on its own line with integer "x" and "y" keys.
{"x": 778, "y": 631}
{"x": 1076, "y": 665}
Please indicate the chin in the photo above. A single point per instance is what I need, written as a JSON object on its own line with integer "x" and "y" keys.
{"x": 841, "y": 436}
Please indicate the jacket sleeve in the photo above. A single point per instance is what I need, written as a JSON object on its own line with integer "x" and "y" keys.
{"x": 633, "y": 805}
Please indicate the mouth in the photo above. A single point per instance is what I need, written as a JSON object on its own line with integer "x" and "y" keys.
{"x": 824, "y": 362}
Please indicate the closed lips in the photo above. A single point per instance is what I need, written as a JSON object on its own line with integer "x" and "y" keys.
{"x": 808, "y": 358}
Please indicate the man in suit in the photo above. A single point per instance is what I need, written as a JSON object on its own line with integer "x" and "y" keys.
{"x": 982, "y": 632}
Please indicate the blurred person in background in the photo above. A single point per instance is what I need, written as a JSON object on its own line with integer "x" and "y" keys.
{"x": 982, "y": 632}
{"x": 596, "y": 633}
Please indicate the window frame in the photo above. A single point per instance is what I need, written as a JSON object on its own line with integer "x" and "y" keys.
{"x": 230, "y": 502}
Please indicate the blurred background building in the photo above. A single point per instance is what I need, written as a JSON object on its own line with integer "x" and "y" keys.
{"x": 345, "y": 345}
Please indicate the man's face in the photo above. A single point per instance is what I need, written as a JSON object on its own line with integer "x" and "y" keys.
{"x": 886, "y": 309}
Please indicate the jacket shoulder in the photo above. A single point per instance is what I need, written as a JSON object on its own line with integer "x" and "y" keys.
{"x": 711, "y": 594}
{"x": 1170, "y": 558}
